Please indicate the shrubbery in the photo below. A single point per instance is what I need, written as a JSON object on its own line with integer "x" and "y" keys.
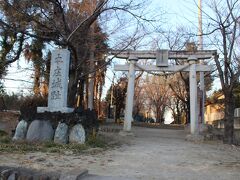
{"x": 28, "y": 106}
{"x": 10, "y": 102}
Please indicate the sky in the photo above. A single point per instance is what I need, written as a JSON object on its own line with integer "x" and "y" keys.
{"x": 176, "y": 13}
{"x": 179, "y": 12}
{"x": 18, "y": 79}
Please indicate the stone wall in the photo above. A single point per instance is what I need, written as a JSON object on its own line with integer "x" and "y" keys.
{"x": 237, "y": 136}
{"x": 18, "y": 173}
{"x": 218, "y": 134}
{"x": 7, "y": 173}
{"x": 220, "y": 123}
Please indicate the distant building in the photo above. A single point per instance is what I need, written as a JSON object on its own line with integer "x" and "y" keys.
{"x": 214, "y": 112}
{"x": 214, "y": 109}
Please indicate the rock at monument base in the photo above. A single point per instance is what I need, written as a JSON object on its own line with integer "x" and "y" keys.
{"x": 21, "y": 130}
{"x": 61, "y": 134}
{"x": 77, "y": 134}
{"x": 40, "y": 131}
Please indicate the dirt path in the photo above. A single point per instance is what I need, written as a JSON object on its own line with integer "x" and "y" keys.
{"x": 150, "y": 154}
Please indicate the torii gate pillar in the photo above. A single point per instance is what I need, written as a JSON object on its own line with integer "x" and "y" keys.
{"x": 193, "y": 96}
{"x": 130, "y": 94}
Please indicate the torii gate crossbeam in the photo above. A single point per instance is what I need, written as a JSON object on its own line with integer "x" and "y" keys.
{"x": 145, "y": 54}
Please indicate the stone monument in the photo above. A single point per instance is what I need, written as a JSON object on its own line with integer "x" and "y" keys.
{"x": 58, "y": 83}
{"x": 42, "y": 128}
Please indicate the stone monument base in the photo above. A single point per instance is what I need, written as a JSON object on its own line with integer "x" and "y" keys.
{"x": 59, "y": 127}
{"x": 62, "y": 110}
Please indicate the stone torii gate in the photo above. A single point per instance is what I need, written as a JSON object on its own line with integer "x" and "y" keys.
{"x": 162, "y": 57}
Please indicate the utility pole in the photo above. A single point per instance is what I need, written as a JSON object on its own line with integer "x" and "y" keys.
{"x": 202, "y": 84}
{"x": 200, "y": 32}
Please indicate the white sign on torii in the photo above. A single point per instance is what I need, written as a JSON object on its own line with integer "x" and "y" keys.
{"x": 192, "y": 57}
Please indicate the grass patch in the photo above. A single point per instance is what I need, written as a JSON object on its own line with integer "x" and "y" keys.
{"x": 7, "y": 145}
{"x": 95, "y": 142}
{"x": 5, "y": 139}
{"x": 3, "y": 133}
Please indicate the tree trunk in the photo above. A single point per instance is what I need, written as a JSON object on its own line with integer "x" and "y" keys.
{"x": 91, "y": 75}
{"x": 162, "y": 115}
{"x": 36, "y": 87}
{"x": 229, "y": 119}
{"x": 86, "y": 93}
{"x": 157, "y": 116}
{"x": 46, "y": 76}
{"x": 178, "y": 113}
{"x": 96, "y": 99}
{"x": 81, "y": 92}
{"x": 72, "y": 89}
{"x": 91, "y": 92}
{"x": 99, "y": 102}
{"x": 188, "y": 111}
